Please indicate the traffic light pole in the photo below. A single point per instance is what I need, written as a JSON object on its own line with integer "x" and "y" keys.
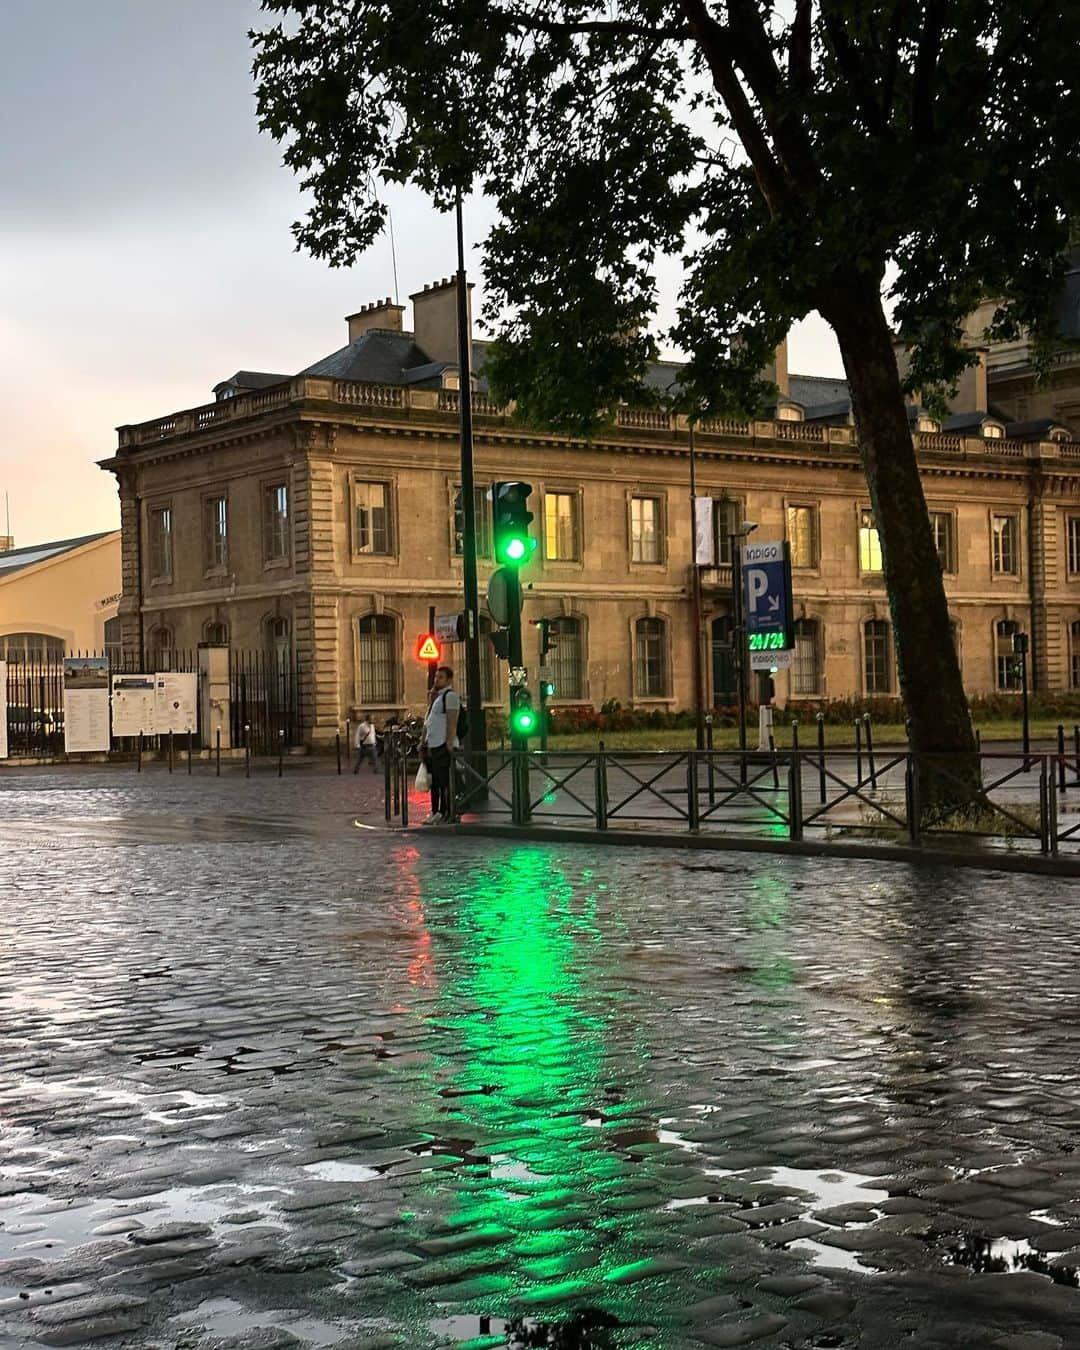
{"x": 477, "y": 730}
{"x": 544, "y": 649}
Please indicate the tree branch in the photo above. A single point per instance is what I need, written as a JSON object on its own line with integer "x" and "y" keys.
{"x": 854, "y": 71}
{"x": 799, "y": 48}
{"x": 924, "y": 85}
{"x": 710, "y": 37}
{"x": 531, "y": 23}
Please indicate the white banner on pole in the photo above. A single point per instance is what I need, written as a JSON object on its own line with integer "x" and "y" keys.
{"x": 176, "y": 697}
{"x": 770, "y": 660}
{"x": 86, "y": 704}
{"x": 133, "y": 704}
{"x": 704, "y": 532}
{"x": 3, "y": 710}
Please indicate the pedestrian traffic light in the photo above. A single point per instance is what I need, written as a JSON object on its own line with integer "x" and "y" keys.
{"x": 513, "y": 543}
{"x": 547, "y": 689}
{"x": 427, "y": 648}
{"x": 523, "y": 719}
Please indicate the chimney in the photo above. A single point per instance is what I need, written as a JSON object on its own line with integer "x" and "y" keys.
{"x": 379, "y": 314}
{"x": 435, "y": 320}
{"x": 777, "y": 371}
{"x": 971, "y": 393}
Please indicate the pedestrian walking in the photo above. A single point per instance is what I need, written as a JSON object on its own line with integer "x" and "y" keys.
{"x": 439, "y": 739}
{"x": 366, "y": 743}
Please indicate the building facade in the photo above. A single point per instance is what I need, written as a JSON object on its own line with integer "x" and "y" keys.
{"x": 318, "y": 517}
{"x": 60, "y": 598}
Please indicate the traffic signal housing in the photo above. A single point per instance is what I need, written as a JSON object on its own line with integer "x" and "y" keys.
{"x": 513, "y": 543}
{"x": 523, "y": 719}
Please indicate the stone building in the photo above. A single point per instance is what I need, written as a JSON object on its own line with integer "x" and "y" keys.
{"x": 315, "y": 515}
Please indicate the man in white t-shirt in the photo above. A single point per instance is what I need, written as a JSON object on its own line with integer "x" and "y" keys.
{"x": 366, "y": 743}
{"x": 440, "y": 737}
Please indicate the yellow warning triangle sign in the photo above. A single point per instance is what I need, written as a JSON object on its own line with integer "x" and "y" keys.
{"x": 428, "y": 649}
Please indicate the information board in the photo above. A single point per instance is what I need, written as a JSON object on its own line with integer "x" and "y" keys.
{"x": 86, "y": 704}
{"x": 3, "y": 711}
{"x": 176, "y": 698}
{"x": 133, "y": 705}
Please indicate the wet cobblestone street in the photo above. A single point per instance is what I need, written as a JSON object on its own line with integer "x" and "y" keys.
{"x": 267, "y": 1080}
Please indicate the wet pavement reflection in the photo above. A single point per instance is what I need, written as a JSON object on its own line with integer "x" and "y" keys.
{"x": 369, "y": 1091}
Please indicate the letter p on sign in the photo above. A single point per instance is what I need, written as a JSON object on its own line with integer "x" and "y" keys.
{"x": 757, "y": 584}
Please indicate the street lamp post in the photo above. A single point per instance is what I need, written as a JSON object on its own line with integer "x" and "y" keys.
{"x": 695, "y": 597}
{"x": 735, "y": 538}
{"x": 1020, "y": 647}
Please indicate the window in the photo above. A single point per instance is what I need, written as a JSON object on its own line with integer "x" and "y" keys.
{"x": 275, "y": 522}
{"x": 35, "y": 647}
{"x": 161, "y": 649}
{"x": 277, "y": 643}
{"x": 942, "y": 527}
{"x": 1074, "y": 652}
{"x": 806, "y": 665}
{"x": 1005, "y": 535}
{"x": 215, "y": 533}
{"x": 561, "y": 541}
{"x": 371, "y": 507}
{"x": 878, "y": 657}
{"x": 802, "y": 535}
{"x": 378, "y": 660}
{"x": 725, "y": 685}
{"x": 1072, "y": 539}
{"x": 482, "y": 509}
{"x": 113, "y": 641}
{"x": 1006, "y": 660}
{"x": 489, "y": 674}
{"x": 993, "y": 432}
{"x": 161, "y": 559}
{"x": 567, "y": 659}
{"x": 645, "y": 530}
{"x": 869, "y": 543}
{"x": 650, "y": 658}
{"x": 216, "y": 633}
{"x": 727, "y": 520}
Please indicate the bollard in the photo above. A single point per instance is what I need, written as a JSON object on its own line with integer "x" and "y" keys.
{"x": 693, "y": 822}
{"x": 170, "y": 751}
{"x": 795, "y": 808}
{"x": 858, "y": 753}
{"x": 1076, "y": 750}
{"x": 247, "y": 750}
{"x": 870, "y": 750}
{"x": 911, "y": 795}
{"x": 337, "y": 749}
{"x": 795, "y": 734}
{"x": 388, "y": 755}
{"x": 1061, "y": 758}
{"x": 712, "y": 764}
{"x": 280, "y": 751}
{"x": 189, "y": 752}
{"x": 600, "y": 789}
{"x": 217, "y": 751}
{"x": 138, "y": 755}
{"x": 821, "y": 754}
{"x": 775, "y": 769}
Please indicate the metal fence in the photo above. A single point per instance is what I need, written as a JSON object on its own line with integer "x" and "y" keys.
{"x": 264, "y": 688}
{"x": 1002, "y": 799}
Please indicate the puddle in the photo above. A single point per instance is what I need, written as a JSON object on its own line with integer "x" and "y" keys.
{"x": 589, "y": 1329}
{"x": 1005, "y": 1256}
{"x": 226, "y": 1317}
{"x": 829, "y": 1189}
{"x": 341, "y": 1171}
{"x": 830, "y": 1258}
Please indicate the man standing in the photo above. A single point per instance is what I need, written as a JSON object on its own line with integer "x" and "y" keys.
{"x": 366, "y": 743}
{"x": 440, "y": 737}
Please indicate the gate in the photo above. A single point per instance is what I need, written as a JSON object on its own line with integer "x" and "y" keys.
{"x": 264, "y": 701}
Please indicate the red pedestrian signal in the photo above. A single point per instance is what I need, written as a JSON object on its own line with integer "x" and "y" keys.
{"x": 427, "y": 649}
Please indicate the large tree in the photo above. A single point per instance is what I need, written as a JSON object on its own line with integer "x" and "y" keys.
{"x": 811, "y": 155}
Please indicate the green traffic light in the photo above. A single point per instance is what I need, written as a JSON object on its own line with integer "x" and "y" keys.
{"x": 515, "y": 549}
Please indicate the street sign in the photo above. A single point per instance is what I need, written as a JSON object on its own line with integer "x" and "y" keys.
{"x": 427, "y": 649}
{"x": 449, "y": 627}
{"x": 767, "y": 607}
{"x": 771, "y": 660}
{"x": 501, "y": 583}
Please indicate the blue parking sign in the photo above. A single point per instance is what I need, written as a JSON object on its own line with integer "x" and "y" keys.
{"x": 767, "y": 608}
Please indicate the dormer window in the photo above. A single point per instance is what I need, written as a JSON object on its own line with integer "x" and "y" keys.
{"x": 993, "y": 431}
{"x": 787, "y": 412}
{"x": 927, "y": 424}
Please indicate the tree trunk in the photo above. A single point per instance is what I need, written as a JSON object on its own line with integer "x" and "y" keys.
{"x": 930, "y": 680}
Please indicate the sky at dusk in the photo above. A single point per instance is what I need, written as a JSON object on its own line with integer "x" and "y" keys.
{"x": 145, "y": 245}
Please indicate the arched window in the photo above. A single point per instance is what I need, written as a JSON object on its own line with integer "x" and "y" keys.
{"x": 567, "y": 657}
{"x": 1006, "y": 660}
{"x": 1074, "y": 653}
{"x": 378, "y": 660}
{"x": 31, "y": 647}
{"x": 806, "y": 665}
{"x": 217, "y": 633}
{"x": 725, "y": 687}
{"x": 877, "y": 656}
{"x": 650, "y": 658}
{"x": 114, "y": 640}
{"x": 160, "y": 648}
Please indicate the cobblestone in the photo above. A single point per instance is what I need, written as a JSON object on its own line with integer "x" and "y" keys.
{"x": 268, "y": 1079}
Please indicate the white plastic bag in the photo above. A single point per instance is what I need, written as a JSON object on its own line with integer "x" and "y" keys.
{"x": 423, "y": 779}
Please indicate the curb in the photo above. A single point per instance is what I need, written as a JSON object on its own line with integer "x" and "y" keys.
{"x": 555, "y": 834}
